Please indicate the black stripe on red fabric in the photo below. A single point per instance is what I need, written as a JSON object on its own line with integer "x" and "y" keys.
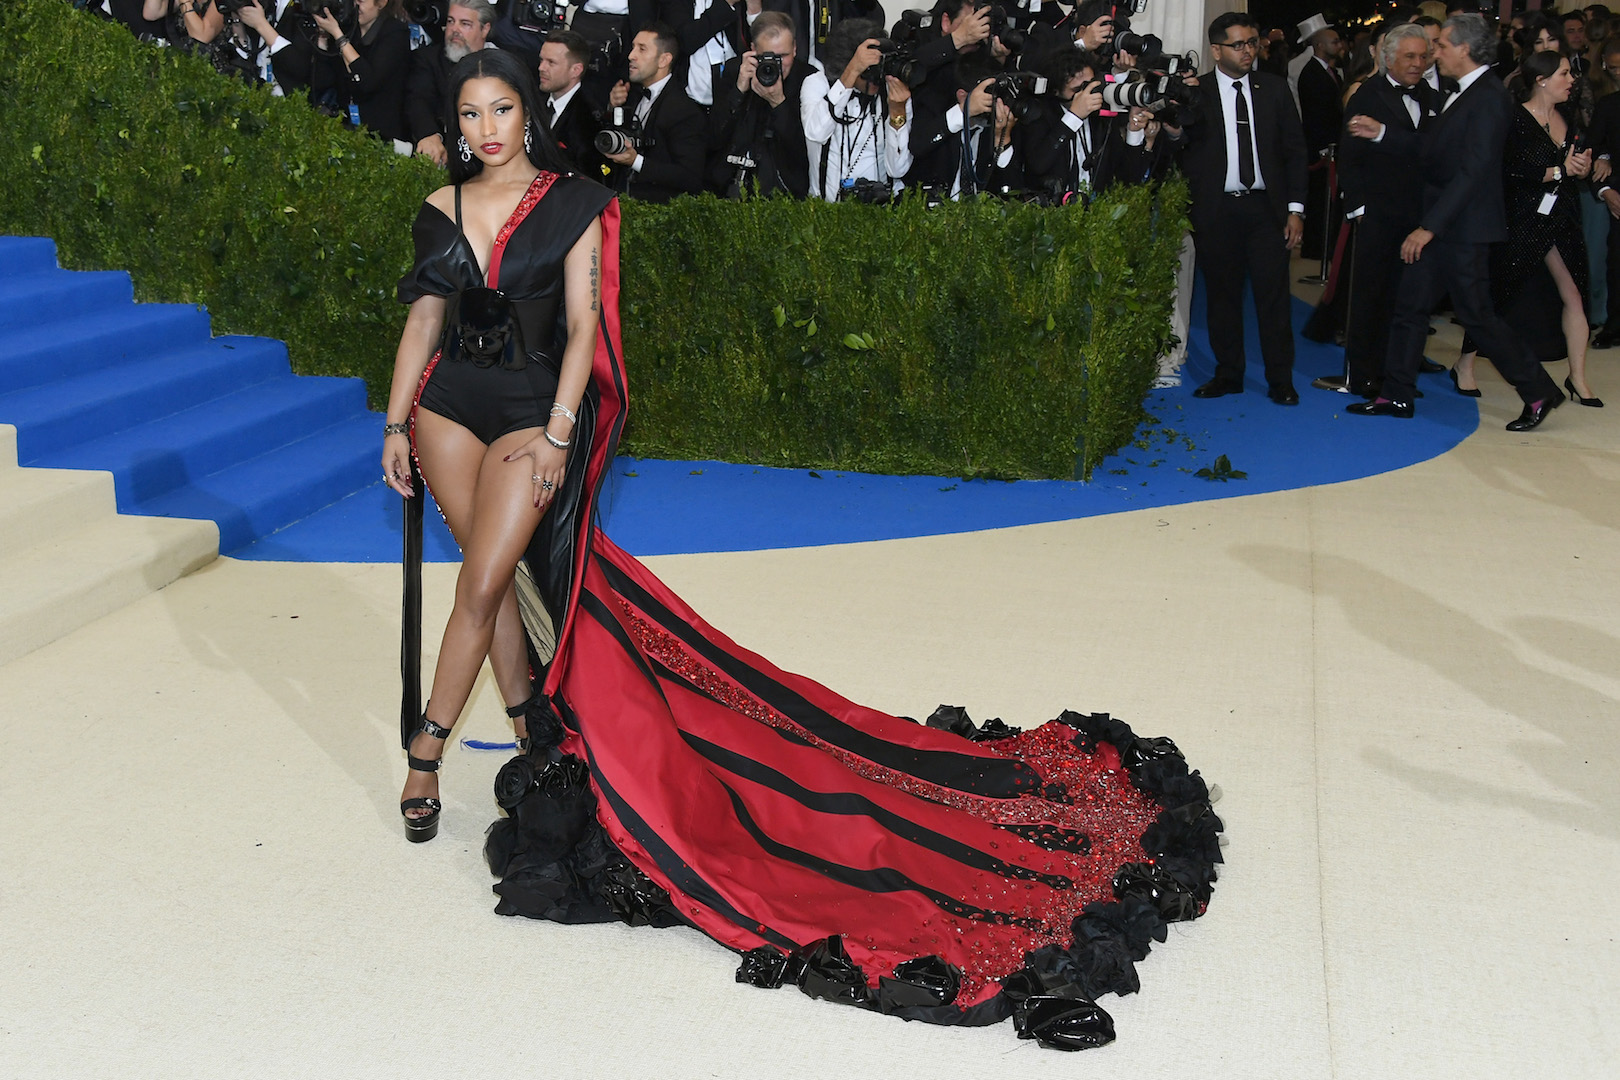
{"x": 677, "y": 870}
{"x": 849, "y": 804}
{"x": 879, "y": 880}
{"x": 1000, "y": 778}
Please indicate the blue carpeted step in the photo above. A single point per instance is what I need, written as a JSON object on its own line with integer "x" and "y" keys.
{"x": 93, "y": 404}
{"x": 32, "y": 354}
{"x": 57, "y": 297}
{"x": 257, "y": 497}
{"x": 26, "y": 255}
{"x": 153, "y": 458}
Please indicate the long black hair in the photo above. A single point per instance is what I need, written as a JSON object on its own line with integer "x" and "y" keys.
{"x": 498, "y": 64}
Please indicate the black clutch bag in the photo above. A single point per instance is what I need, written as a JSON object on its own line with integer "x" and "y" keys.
{"x": 482, "y": 327}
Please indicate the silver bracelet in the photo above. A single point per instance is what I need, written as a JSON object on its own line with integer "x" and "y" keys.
{"x": 402, "y": 428}
{"x": 561, "y": 444}
{"x": 559, "y": 409}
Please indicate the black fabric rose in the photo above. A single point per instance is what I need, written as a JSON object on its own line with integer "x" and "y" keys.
{"x": 1137, "y": 751}
{"x": 500, "y": 839}
{"x": 829, "y": 973}
{"x": 764, "y": 967}
{"x": 1191, "y": 831}
{"x": 926, "y": 982}
{"x": 513, "y": 783}
{"x": 993, "y": 729}
{"x": 544, "y": 727}
{"x": 1063, "y": 1023}
{"x": 954, "y": 719}
{"x": 1173, "y": 901}
{"x": 633, "y": 898}
{"x": 1097, "y": 727}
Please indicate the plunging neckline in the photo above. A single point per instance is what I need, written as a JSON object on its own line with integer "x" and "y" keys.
{"x": 513, "y": 219}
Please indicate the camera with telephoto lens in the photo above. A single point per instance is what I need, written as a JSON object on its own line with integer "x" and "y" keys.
{"x": 621, "y": 134}
{"x": 427, "y": 12}
{"x": 1010, "y": 38}
{"x": 900, "y": 61}
{"x": 304, "y": 12}
{"x": 543, "y": 17}
{"x": 768, "y": 68}
{"x": 1018, "y": 89}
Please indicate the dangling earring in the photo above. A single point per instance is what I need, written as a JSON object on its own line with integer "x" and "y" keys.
{"x": 466, "y": 151}
{"x": 528, "y": 138}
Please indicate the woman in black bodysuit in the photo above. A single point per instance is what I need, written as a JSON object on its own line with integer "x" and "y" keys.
{"x": 500, "y": 377}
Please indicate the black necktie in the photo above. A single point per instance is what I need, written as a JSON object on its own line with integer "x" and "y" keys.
{"x": 551, "y": 112}
{"x": 1245, "y": 147}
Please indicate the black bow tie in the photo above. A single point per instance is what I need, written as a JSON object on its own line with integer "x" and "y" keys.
{"x": 1409, "y": 91}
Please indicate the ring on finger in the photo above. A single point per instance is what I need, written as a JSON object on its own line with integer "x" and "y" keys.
{"x": 545, "y": 485}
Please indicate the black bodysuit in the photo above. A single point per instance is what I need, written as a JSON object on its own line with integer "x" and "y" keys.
{"x": 495, "y": 401}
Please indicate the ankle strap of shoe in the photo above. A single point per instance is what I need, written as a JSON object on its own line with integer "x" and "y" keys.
{"x": 516, "y": 711}
{"x": 422, "y": 764}
{"x": 433, "y": 730}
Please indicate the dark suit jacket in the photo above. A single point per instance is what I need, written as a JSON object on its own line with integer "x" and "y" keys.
{"x": 1462, "y": 166}
{"x": 1320, "y": 111}
{"x": 376, "y": 83}
{"x": 1281, "y": 144}
{"x": 673, "y": 147}
{"x": 742, "y": 121}
{"x": 1047, "y": 146}
{"x": 575, "y": 131}
{"x": 425, "y": 108}
{"x": 1387, "y": 176}
{"x": 1604, "y": 134}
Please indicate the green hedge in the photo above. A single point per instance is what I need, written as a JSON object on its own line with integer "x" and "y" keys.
{"x": 974, "y": 339}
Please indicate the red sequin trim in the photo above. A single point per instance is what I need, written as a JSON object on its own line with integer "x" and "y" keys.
{"x": 537, "y": 190}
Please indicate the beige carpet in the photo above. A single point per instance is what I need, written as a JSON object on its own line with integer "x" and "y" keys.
{"x": 1406, "y": 687}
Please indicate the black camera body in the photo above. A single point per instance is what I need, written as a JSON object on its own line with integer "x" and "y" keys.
{"x": 304, "y": 12}
{"x": 899, "y": 61}
{"x": 606, "y": 57}
{"x": 621, "y": 134}
{"x": 1019, "y": 89}
{"x": 427, "y": 12}
{"x": 231, "y": 7}
{"x": 543, "y": 17}
{"x": 768, "y": 68}
{"x": 1011, "y": 38}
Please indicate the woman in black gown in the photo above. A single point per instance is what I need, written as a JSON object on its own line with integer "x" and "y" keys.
{"x": 946, "y": 872}
{"x": 1538, "y": 277}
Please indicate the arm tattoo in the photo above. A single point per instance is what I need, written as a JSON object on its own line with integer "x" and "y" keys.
{"x": 596, "y": 283}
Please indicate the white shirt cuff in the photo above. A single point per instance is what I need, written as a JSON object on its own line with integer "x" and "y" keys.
{"x": 281, "y": 43}
{"x": 1381, "y": 133}
{"x": 1297, "y": 208}
{"x": 1071, "y": 121}
{"x": 838, "y": 94}
{"x": 1004, "y": 158}
{"x": 954, "y": 119}
{"x": 635, "y": 166}
{"x": 1357, "y": 212}
{"x": 1134, "y": 138}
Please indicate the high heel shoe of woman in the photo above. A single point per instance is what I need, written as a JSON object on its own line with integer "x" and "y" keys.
{"x": 1465, "y": 393}
{"x": 1589, "y": 402}
{"x": 422, "y": 827}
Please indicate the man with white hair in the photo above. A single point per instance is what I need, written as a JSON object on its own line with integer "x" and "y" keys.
{"x": 466, "y": 31}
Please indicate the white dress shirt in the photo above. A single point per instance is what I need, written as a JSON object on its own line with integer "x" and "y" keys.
{"x": 1230, "y": 88}
{"x": 1463, "y": 84}
{"x": 643, "y": 107}
{"x": 876, "y": 151}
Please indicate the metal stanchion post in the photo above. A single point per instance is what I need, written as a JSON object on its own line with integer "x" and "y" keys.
{"x": 1325, "y": 162}
{"x": 1340, "y": 384}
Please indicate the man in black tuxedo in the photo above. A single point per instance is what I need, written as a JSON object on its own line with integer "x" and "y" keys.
{"x": 567, "y": 109}
{"x": 1381, "y": 173}
{"x": 1245, "y": 160}
{"x": 969, "y": 148}
{"x": 756, "y": 132}
{"x": 1066, "y": 145}
{"x": 1604, "y": 138}
{"x": 667, "y": 157}
{"x": 1463, "y": 214}
{"x": 1321, "y": 114}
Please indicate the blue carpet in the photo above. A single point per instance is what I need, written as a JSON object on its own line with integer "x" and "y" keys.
{"x": 671, "y": 507}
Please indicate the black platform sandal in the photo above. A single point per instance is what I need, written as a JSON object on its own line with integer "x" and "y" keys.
{"x": 425, "y": 827}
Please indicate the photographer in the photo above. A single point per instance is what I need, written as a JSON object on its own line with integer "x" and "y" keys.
{"x": 146, "y": 19}
{"x": 466, "y": 31}
{"x": 567, "y": 110}
{"x": 969, "y": 148}
{"x": 961, "y": 29}
{"x": 664, "y": 151}
{"x": 756, "y": 133}
{"x": 286, "y": 55}
{"x": 858, "y": 127}
{"x": 1090, "y": 25}
{"x": 1069, "y": 147}
{"x": 363, "y": 66}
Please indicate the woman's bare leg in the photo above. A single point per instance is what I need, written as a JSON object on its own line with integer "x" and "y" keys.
{"x": 1575, "y": 327}
{"x": 1465, "y": 371}
{"x": 492, "y": 499}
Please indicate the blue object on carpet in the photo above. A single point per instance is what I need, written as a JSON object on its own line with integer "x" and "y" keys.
{"x": 672, "y": 507}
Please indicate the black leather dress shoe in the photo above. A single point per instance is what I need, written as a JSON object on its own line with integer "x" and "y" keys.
{"x": 1366, "y": 389}
{"x": 1429, "y": 367}
{"x": 1381, "y": 407}
{"x": 1217, "y": 388}
{"x": 1533, "y": 415}
{"x": 1607, "y": 338}
{"x": 1283, "y": 395}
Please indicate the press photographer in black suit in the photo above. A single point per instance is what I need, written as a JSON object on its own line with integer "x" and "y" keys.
{"x": 667, "y": 155}
{"x": 1065, "y": 142}
{"x": 1463, "y": 214}
{"x": 285, "y": 52}
{"x": 756, "y": 133}
{"x": 969, "y": 148}
{"x": 1245, "y": 161}
{"x": 1381, "y": 173}
{"x": 566, "y": 109}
